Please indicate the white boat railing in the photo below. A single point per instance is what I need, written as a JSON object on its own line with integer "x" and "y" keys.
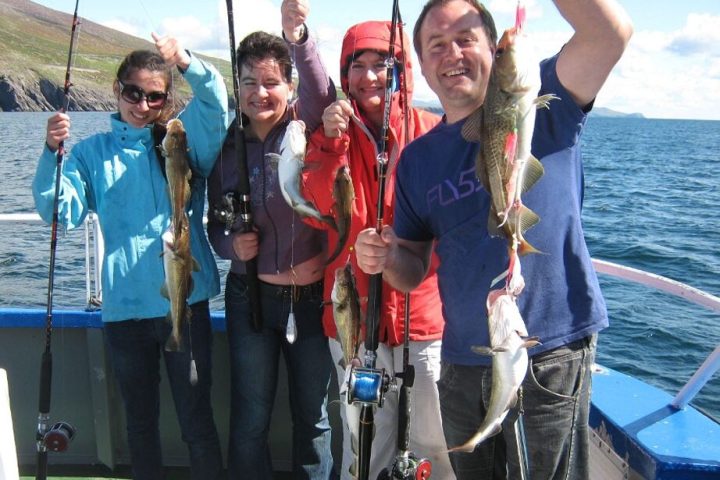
{"x": 93, "y": 267}
{"x": 94, "y": 252}
{"x": 712, "y": 363}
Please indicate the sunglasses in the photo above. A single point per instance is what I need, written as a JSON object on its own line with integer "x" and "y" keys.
{"x": 134, "y": 94}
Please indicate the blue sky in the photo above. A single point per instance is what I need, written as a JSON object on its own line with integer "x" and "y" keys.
{"x": 670, "y": 70}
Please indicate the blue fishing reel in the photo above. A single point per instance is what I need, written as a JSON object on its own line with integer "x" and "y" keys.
{"x": 367, "y": 385}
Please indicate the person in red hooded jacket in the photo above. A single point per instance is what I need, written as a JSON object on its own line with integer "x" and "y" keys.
{"x": 350, "y": 136}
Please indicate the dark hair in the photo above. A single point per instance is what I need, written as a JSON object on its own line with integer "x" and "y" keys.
{"x": 258, "y": 46}
{"x": 487, "y": 21}
{"x": 152, "y": 61}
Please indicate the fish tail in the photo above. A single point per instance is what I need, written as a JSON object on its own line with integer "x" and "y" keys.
{"x": 173, "y": 343}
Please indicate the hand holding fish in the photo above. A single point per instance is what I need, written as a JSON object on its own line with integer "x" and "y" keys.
{"x": 375, "y": 251}
{"x": 294, "y": 15}
{"x": 246, "y": 245}
{"x": 336, "y": 118}
{"x": 171, "y": 51}
{"x": 58, "y": 130}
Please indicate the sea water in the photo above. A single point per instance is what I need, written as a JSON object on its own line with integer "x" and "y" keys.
{"x": 652, "y": 202}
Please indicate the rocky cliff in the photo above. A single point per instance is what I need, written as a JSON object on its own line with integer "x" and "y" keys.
{"x": 38, "y": 94}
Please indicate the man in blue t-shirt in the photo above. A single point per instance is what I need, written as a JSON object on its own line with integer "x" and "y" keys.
{"x": 441, "y": 203}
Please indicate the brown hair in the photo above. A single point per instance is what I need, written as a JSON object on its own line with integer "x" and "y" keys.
{"x": 487, "y": 21}
{"x": 258, "y": 46}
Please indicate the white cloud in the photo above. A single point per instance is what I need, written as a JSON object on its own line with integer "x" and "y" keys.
{"x": 124, "y": 26}
{"x": 701, "y": 35}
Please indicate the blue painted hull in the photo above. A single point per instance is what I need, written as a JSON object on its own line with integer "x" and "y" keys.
{"x": 656, "y": 440}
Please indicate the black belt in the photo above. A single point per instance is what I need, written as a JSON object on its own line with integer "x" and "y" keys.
{"x": 296, "y": 292}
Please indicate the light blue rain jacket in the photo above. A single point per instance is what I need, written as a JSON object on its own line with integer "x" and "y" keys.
{"x": 117, "y": 174}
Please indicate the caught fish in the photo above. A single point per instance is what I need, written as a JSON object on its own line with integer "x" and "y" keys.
{"x": 504, "y": 125}
{"x": 177, "y": 170}
{"x": 346, "y": 312}
{"x": 177, "y": 258}
{"x": 291, "y": 161}
{"x": 508, "y": 348}
{"x": 344, "y": 194}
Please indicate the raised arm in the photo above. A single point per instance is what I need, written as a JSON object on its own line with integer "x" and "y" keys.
{"x": 316, "y": 89}
{"x": 602, "y": 31}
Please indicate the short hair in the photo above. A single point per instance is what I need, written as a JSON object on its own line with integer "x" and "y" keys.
{"x": 259, "y": 46}
{"x": 487, "y": 21}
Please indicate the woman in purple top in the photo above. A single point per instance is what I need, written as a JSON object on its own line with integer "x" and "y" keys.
{"x": 290, "y": 258}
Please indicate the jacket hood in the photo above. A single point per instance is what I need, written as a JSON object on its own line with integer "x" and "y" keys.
{"x": 375, "y": 35}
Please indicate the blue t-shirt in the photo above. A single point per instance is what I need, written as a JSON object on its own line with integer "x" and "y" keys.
{"x": 439, "y": 197}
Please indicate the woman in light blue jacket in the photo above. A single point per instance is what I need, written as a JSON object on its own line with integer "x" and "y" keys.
{"x": 119, "y": 176}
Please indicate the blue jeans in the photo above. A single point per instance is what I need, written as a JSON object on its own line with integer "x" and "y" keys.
{"x": 135, "y": 347}
{"x": 254, "y": 358}
{"x": 555, "y": 403}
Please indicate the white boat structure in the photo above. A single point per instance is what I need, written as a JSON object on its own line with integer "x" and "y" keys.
{"x": 638, "y": 431}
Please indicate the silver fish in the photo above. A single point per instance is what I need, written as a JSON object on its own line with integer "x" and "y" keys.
{"x": 509, "y": 363}
{"x": 291, "y": 161}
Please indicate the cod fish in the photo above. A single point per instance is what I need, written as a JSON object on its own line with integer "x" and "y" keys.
{"x": 344, "y": 195}
{"x": 504, "y": 125}
{"x": 509, "y": 363}
{"x": 290, "y": 165}
{"x": 346, "y": 312}
{"x": 177, "y": 258}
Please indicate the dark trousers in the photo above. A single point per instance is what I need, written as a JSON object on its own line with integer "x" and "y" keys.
{"x": 556, "y": 403}
{"x": 135, "y": 348}
{"x": 254, "y": 358}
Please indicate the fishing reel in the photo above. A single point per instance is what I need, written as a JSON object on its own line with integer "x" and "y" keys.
{"x": 57, "y": 438}
{"x": 407, "y": 467}
{"x": 367, "y": 385}
{"x": 227, "y": 210}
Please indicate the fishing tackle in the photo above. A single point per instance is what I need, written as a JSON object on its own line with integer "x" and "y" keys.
{"x": 58, "y": 437}
{"x": 242, "y": 195}
{"x": 370, "y": 384}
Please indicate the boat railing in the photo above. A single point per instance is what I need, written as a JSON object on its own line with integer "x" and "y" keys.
{"x": 712, "y": 363}
{"x": 94, "y": 252}
{"x": 94, "y": 246}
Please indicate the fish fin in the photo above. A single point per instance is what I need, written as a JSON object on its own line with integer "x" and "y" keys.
{"x": 493, "y": 224}
{"x": 543, "y": 101}
{"x": 164, "y": 291}
{"x": 529, "y": 342}
{"x": 533, "y": 171}
{"x": 481, "y": 350}
{"x": 499, "y": 348}
{"x": 472, "y": 129}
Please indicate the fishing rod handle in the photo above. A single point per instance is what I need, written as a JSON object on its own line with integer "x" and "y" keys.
{"x": 365, "y": 437}
{"x": 372, "y": 324}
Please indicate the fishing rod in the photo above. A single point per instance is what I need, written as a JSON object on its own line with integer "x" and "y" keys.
{"x": 57, "y": 438}
{"x": 239, "y": 202}
{"x": 368, "y": 385}
{"x": 406, "y": 465}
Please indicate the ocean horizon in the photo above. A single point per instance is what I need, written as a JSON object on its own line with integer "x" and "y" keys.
{"x": 651, "y": 202}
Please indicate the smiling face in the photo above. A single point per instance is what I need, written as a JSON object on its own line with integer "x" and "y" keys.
{"x": 139, "y": 114}
{"x": 456, "y": 57}
{"x": 367, "y": 78}
{"x": 264, "y": 94}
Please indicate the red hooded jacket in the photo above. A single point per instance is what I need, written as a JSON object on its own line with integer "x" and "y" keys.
{"x": 357, "y": 149}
